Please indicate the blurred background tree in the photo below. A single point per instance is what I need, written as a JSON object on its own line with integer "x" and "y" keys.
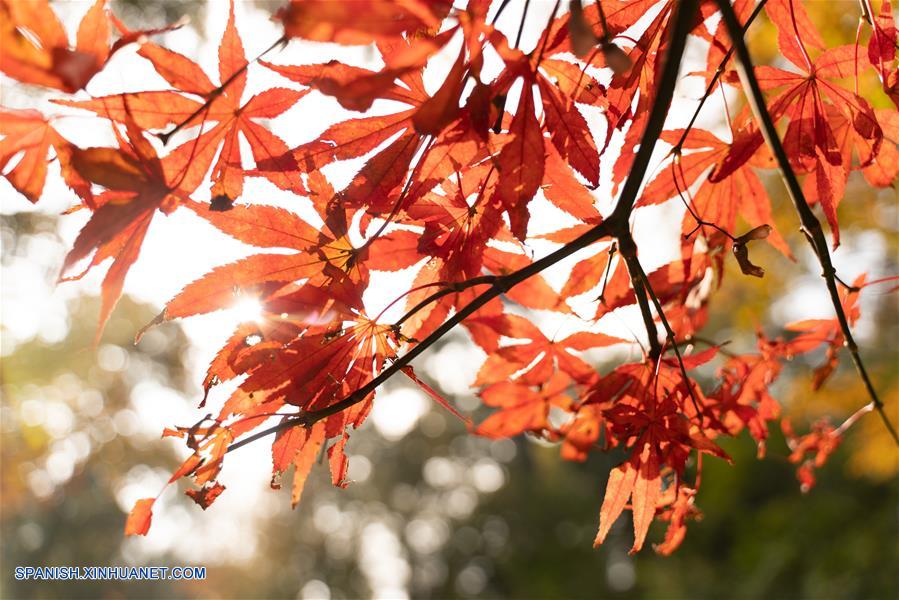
{"x": 70, "y": 432}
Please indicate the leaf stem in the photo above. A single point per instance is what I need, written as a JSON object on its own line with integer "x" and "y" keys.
{"x": 700, "y": 222}
{"x": 402, "y": 197}
{"x": 524, "y": 16}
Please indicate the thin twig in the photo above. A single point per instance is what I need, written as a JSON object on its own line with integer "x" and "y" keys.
{"x": 641, "y": 274}
{"x": 613, "y": 247}
{"x": 695, "y": 339}
{"x": 849, "y": 288}
{"x": 451, "y": 288}
{"x": 499, "y": 11}
{"x": 211, "y": 96}
{"x": 524, "y": 16}
{"x": 718, "y": 72}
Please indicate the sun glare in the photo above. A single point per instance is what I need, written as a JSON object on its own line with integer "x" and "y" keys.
{"x": 248, "y": 309}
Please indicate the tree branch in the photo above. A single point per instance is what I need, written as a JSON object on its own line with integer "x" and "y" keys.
{"x": 641, "y": 274}
{"x": 616, "y": 225}
{"x": 499, "y": 286}
{"x": 524, "y": 16}
{"x": 810, "y": 225}
{"x": 683, "y": 24}
{"x": 718, "y": 72}
{"x": 451, "y": 288}
{"x": 629, "y": 254}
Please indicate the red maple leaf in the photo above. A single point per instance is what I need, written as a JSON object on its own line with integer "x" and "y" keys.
{"x": 36, "y": 47}
{"x": 29, "y": 132}
{"x": 137, "y": 183}
{"x": 219, "y": 104}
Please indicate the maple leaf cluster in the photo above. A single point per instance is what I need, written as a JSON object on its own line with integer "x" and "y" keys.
{"x": 447, "y": 189}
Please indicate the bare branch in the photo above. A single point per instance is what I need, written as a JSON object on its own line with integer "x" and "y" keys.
{"x": 629, "y": 254}
{"x": 683, "y": 23}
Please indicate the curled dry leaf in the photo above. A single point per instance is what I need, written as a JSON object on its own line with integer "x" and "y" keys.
{"x": 741, "y": 250}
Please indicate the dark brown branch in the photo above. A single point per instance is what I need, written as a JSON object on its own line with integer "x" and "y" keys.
{"x": 499, "y": 11}
{"x": 499, "y": 286}
{"x": 629, "y": 254}
{"x": 683, "y": 23}
{"x": 451, "y": 288}
{"x": 524, "y": 16}
{"x": 672, "y": 341}
{"x": 849, "y": 288}
{"x": 809, "y": 223}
